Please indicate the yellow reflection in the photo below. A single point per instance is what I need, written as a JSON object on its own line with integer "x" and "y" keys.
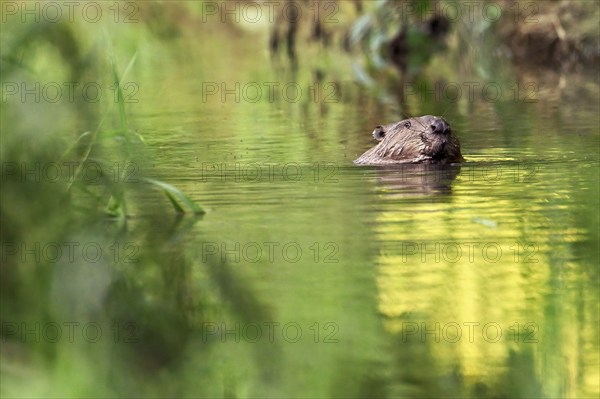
{"x": 477, "y": 294}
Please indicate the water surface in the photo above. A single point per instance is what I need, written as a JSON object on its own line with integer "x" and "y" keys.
{"x": 479, "y": 279}
{"x": 312, "y": 277}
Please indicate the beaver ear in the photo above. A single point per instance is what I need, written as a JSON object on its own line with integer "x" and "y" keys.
{"x": 378, "y": 133}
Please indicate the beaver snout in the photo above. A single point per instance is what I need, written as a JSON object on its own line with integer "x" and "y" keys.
{"x": 440, "y": 126}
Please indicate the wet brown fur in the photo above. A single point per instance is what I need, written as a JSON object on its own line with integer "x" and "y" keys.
{"x": 425, "y": 139}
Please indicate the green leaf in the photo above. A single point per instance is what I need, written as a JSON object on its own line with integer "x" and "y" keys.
{"x": 176, "y": 196}
{"x": 176, "y": 205}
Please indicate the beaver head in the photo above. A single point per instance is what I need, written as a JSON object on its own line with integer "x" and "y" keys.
{"x": 424, "y": 139}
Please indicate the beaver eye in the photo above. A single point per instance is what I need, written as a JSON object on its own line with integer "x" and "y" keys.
{"x": 407, "y": 124}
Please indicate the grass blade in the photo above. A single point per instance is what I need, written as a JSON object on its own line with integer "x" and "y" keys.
{"x": 176, "y": 197}
{"x": 121, "y": 99}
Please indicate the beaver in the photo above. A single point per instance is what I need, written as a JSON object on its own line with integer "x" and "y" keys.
{"x": 425, "y": 139}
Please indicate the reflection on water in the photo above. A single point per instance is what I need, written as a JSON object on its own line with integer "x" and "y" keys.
{"x": 418, "y": 179}
{"x": 312, "y": 277}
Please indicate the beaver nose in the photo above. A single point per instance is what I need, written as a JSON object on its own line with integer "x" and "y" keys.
{"x": 440, "y": 126}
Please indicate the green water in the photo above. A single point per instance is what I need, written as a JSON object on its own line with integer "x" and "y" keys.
{"x": 308, "y": 276}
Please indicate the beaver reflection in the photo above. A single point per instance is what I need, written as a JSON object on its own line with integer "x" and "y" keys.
{"x": 426, "y": 140}
{"x": 417, "y": 179}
